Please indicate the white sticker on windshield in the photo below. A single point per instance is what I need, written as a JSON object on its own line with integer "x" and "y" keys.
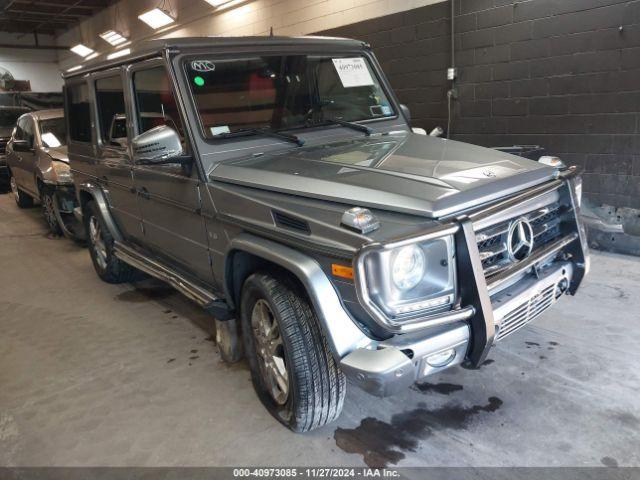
{"x": 220, "y": 130}
{"x": 353, "y": 72}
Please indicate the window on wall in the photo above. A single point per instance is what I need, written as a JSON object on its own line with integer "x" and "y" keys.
{"x": 78, "y": 111}
{"x": 155, "y": 102}
{"x": 111, "y": 111}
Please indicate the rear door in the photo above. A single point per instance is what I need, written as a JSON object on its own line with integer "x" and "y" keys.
{"x": 169, "y": 195}
{"x": 114, "y": 168}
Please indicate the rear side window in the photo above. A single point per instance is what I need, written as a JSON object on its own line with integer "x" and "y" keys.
{"x": 78, "y": 112}
{"x": 111, "y": 109}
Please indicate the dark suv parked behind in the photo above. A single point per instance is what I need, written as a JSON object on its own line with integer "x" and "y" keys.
{"x": 281, "y": 187}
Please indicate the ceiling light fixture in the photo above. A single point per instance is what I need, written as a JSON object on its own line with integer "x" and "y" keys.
{"x": 73, "y": 69}
{"x": 92, "y": 56}
{"x": 81, "y": 50}
{"x": 156, "y": 18}
{"x": 119, "y": 53}
{"x": 113, "y": 37}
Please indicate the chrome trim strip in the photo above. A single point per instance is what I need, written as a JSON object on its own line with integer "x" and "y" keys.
{"x": 504, "y": 276}
{"x": 155, "y": 269}
{"x": 445, "y": 318}
{"x": 502, "y": 211}
{"x": 521, "y": 198}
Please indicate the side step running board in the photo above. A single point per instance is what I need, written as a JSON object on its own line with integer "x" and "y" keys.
{"x": 199, "y": 295}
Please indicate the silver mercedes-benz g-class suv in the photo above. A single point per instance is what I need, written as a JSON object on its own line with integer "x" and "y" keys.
{"x": 281, "y": 187}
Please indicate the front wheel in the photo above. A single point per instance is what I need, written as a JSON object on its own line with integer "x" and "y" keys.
{"x": 293, "y": 371}
{"x": 49, "y": 211}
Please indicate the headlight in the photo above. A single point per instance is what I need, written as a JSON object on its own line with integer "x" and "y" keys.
{"x": 399, "y": 283}
{"x": 408, "y": 267}
{"x": 62, "y": 171}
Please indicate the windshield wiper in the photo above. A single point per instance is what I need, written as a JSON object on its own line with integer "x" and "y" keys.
{"x": 353, "y": 125}
{"x": 266, "y": 132}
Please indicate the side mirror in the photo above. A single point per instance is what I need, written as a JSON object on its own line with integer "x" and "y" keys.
{"x": 158, "y": 145}
{"x": 436, "y": 132}
{"x": 406, "y": 112}
{"x": 21, "y": 146}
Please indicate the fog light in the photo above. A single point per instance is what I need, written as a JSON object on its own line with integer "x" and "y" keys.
{"x": 441, "y": 359}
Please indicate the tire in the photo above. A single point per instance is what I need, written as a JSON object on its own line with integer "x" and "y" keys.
{"x": 47, "y": 198}
{"x": 315, "y": 386}
{"x": 100, "y": 242}
{"x": 22, "y": 199}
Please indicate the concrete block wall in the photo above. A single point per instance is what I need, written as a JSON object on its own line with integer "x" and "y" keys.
{"x": 561, "y": 74}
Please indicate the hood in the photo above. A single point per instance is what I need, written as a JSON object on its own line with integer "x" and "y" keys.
{"x": 403, "y": 172}
{"x": 58, "y": 153}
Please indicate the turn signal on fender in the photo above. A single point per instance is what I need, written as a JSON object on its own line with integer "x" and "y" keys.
{"x": 342, "y": 271}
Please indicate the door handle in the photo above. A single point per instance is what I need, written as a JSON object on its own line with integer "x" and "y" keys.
{"x": 144, "y": 193}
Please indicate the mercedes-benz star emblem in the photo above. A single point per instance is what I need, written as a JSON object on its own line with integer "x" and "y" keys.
{"x": 519, "y": 239}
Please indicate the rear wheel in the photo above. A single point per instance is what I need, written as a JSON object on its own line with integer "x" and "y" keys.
{"x": 101, "y": 247}
{"x": 22, "y": 199}
{"x": 293, "y": 371}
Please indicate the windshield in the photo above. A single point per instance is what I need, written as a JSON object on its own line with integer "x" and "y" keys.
{"x": 284, "y": 92}
{"x": 53, "y": 132}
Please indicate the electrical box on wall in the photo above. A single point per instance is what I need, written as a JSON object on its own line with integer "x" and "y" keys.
{"x": 452, "y": 73}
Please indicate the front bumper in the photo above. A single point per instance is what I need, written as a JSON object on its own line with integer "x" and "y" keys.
{"x": 394, "y": 365}
{"x": 388, "y": 367}
{"x": 501, "y": 306}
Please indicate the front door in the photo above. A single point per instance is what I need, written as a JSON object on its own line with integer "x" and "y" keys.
{"x": 114, "y": 168}
{"x": 169, "y": 195}
{"x": 23, "y": 160}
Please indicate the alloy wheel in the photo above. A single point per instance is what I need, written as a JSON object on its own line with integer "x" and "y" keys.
{"x": 49, "y": 212}
{"x": 270, "y": 350}
{"x": 99, "y": 247}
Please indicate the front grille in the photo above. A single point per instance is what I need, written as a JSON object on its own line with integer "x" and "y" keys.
{"x": 526, "y": 312}
{"x": 3, "y": 145}
{"x": 492, "y": 241}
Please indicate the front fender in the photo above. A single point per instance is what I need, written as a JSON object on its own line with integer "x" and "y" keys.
{"x": 342, "y": 334}
{"x": 89, "y": 191}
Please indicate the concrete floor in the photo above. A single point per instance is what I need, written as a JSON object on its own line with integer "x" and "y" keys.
{"x": 96, "y": 374}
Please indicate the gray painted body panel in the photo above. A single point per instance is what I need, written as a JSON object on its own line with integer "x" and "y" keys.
{"x": 404, "y": 172}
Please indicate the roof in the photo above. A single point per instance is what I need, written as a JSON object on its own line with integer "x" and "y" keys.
{"x": 47, "y": 114}
{"x": 156, "y": 47}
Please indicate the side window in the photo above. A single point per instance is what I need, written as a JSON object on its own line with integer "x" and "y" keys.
{"x": 155, "y": 103}
{"x": 111, "y": 110}
{"x": 78, "y": 111}
{"x": 28, "y": 130}
{"x": 19, "y": 131}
